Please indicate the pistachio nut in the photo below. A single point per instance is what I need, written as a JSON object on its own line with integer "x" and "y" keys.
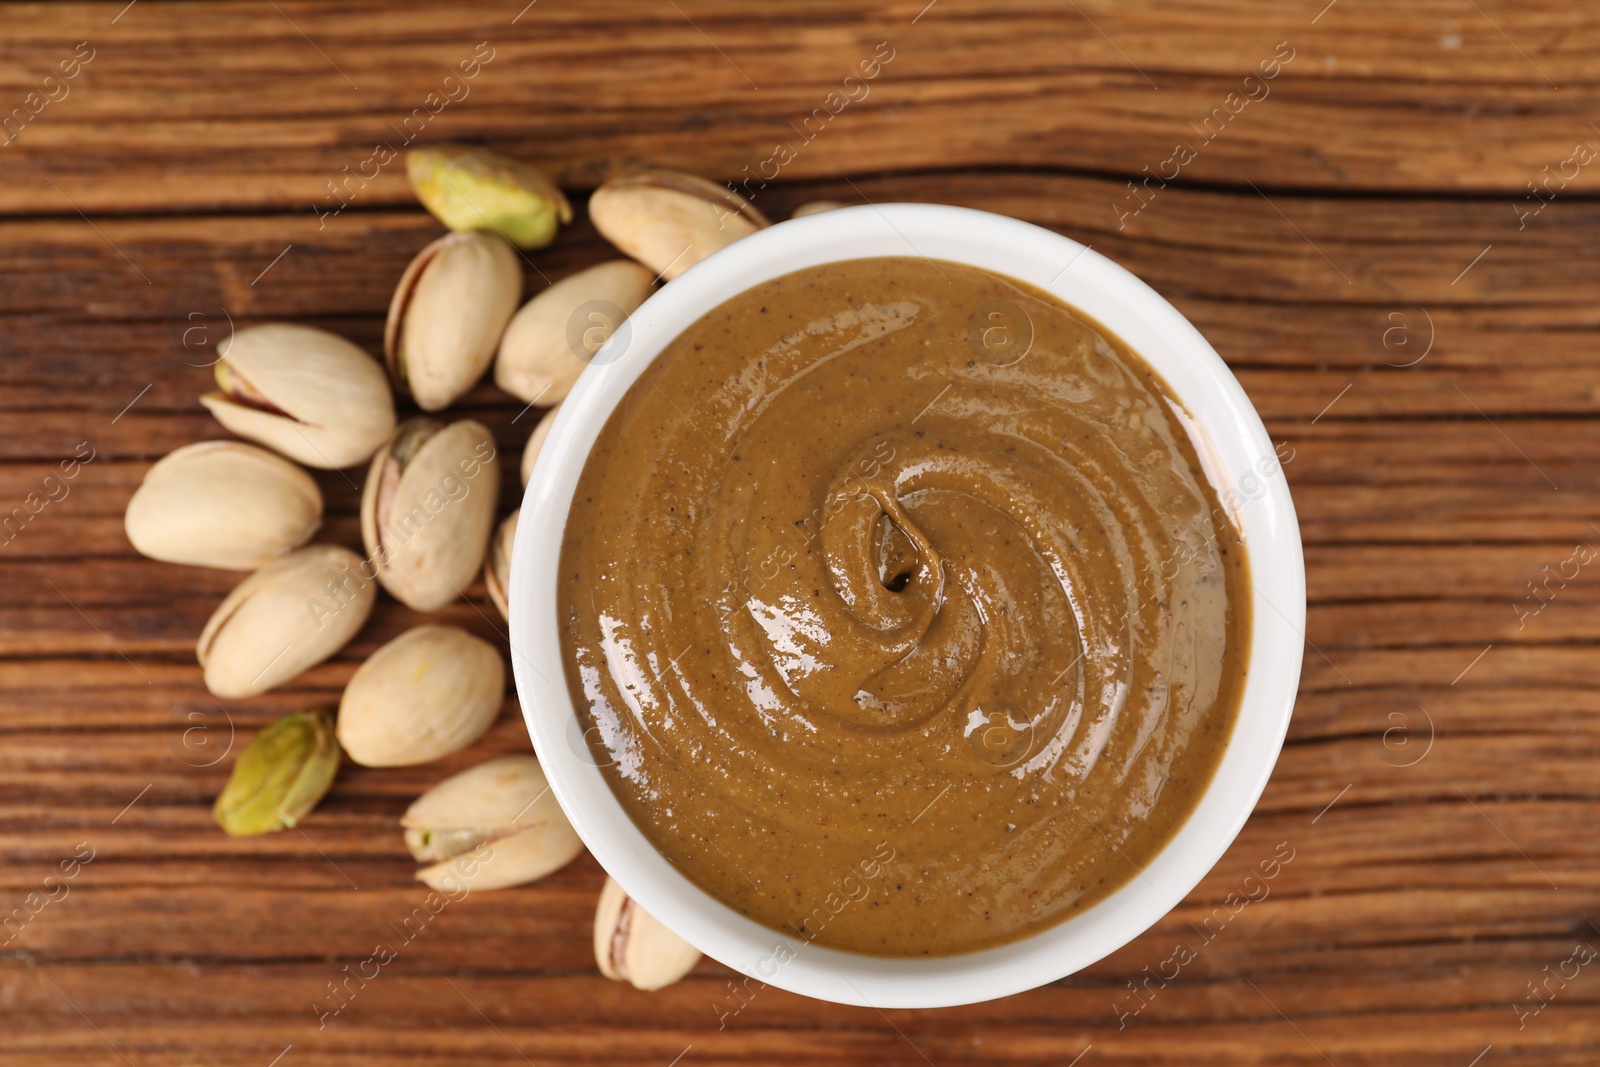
{"x": 280, "y": 777}
{"x": 427, "y": 693}
{"x": 552, "y": 338}
{"x": 497, "y": 568}
{"x": 290, "y": 615}
{"x": 491, "y": 826}
{"x": 447, "y": 314}
{"x": 427, "y": 508}
{"x": 222, "y": 504}
{"x": 304, "y": 392}
{"x": 630, "y": 945}
{"x": 471, "y": 188}
{"x": 815, "y": 207}
{"x": 670, "y": 221}
{"x": 530, "y": 451}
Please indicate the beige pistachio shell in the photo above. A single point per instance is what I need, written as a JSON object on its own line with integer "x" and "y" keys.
{"x": 497, "y": 568}
{"x": 631, "y": 946}
{"x": 494, "y": 797}
{"x": 468, "y": 187}
{"x": 491, "y": 826}
{"x": 816, "y": 207}
{"x": 222, "y": 504}
{"x": 290, "y": 615}
{"x": 303, "y": 392}
{"x": 670, "y": 221}
{"x": 554, "y": 336}
{"x": 530, "y": 451}
{"x": 447, "y": 314}
{"x": 427, "y": 509}
{"x": 427, "y": 693}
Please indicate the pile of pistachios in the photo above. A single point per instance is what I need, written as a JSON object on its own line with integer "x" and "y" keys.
{"x": 308, "y": 398}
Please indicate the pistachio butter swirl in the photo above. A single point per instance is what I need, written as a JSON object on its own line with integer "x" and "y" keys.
{"x": 899, "y": 609}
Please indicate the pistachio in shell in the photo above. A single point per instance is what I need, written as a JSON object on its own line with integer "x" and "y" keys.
{"x": 305, "y": 393}
{"x": 222, "y": 504}
{"x": 632, "y": 946}
{"x": 553, "y": 337}
{"x": 427, "y": 509}
{"x": 280, "y": 776}
{"x": 530, "y": 451}
{"x": 290, "y": 615}
{"x": 427, "y": 693}
{"x": 491, "y": 826}
{"x": 447, "y": 314}
{"x": 468, "y": 187}
{"x": 815, "y": 207}
{"x": 497, "y": 567}
{"x": 670, "y": 221}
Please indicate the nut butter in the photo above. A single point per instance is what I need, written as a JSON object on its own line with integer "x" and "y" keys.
{"x": 898, "y": 609}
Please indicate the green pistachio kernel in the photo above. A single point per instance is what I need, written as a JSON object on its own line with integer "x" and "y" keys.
{"x": 281, "y": 776}
{"x": 472, "y": 188}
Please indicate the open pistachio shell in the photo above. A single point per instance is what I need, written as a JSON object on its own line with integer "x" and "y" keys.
{"x": 290, "y": 615}
{"x": 427, "y": 508}
{"x": 472, "y": 188}
{"x": 491, "y": 826}
{"x": 222, "y": 504}
{"x": 427, "y": 693}
{"x": 530, "y": 451}
{"x": 670, "y": 221}
{"x": 497, "y": 567}
{"x": 447, "y": 314}
{"x": 631, "y": 946}
{"x": 303, "y": 392}
{"x": 280, "y": 776}
{"x": 552, "y": 338}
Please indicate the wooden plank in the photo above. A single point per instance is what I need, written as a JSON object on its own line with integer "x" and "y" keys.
{"x": 1376, "y": 96}
{"x": 1191, "y": 244}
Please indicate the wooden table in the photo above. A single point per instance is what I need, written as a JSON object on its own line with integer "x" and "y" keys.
{"x": 1356, "y": 235}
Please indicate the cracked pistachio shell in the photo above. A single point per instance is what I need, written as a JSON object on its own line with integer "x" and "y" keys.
{"x": 471, "y": 188}
{"x": 491, "y": 826}
{"x": 552, "y": 338}
{"x": 530, "y": 451}
{"x": 427, "y": 693}
{"x": 497, "y": 567}
{"x": 815, "y": 207}
{"x": 631, "y": 946}
{"x": 427, "y": 509}
{"x": 670, "y": 221}
{"x": 280, "y": 777}
{"x": 222, "y": 504}
{"x": 447, "y": 314}
{"x": 304, "y": 392}
{"x": 290, "y": 615}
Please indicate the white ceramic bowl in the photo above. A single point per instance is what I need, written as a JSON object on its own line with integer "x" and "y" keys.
{"x": 1233, "y": 445}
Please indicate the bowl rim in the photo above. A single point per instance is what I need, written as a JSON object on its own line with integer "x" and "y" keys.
{"x": 1233, "y": 445}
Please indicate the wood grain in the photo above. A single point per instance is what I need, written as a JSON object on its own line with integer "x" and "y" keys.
{"x": 1356, "y": 243}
